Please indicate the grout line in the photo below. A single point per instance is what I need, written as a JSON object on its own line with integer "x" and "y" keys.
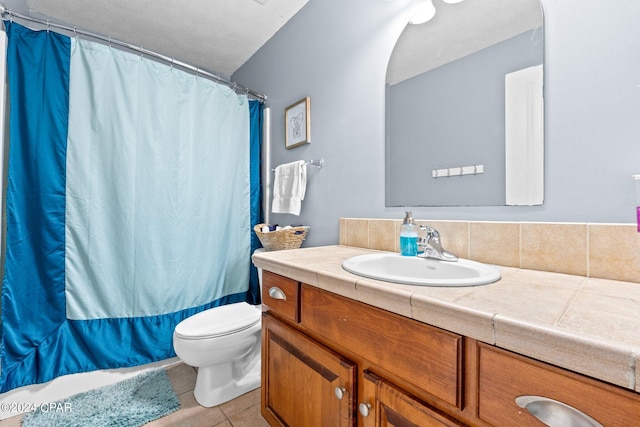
{"x": 634, "y": 370}
{"x": 520, "y": 246}
{"x": 368, "y": 234}
{"x": 569, "y": 303}
{"x": 468, "y": 239}
{"x": 493, "y": 328}
{"x": 588, "y": 272}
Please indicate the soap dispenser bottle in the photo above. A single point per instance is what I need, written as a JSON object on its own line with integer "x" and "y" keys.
{"x": 408, "y": 236}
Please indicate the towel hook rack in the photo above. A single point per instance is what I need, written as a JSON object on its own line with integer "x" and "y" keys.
{"x": 457, "y": 171}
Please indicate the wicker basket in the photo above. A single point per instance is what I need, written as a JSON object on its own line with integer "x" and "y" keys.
{"x": 290, "y": 238}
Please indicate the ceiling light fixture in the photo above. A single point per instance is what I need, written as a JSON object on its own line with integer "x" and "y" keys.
{"x": 424, "y": 11}
{"x": 452, "y": 1}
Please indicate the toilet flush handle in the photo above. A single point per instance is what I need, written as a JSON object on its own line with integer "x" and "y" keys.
{"x": 277, "y": 293}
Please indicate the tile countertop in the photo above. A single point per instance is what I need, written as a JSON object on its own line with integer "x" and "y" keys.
{"x": 590, "y": 326}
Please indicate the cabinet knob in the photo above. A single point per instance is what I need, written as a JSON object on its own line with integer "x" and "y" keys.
{"x": 554, "y": 413}
{"x": 364, "y": 409}
{"x": 277, "y": 293}
{"x": 340, "y": 392}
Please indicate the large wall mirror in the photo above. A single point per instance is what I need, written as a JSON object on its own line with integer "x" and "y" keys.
{"x": 465, "y": 109}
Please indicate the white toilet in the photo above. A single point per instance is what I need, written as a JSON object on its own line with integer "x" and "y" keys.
{"x": 224, "y": 344}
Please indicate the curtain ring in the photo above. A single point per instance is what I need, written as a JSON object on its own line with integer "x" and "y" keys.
{"x": 475, "y": 170}
{"x": 448, "y": 172}
{"x": 461, "y": 171}
{"x": 48, "y": 26}
{"x": 75, "y": 32}
{"x": 109, "y": 42}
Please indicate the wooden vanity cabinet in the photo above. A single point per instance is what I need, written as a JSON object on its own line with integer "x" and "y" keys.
{"x": 314, "y": 362}
{"x": 328, "y": 360}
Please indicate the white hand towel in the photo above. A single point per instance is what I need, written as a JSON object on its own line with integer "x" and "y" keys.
{"x": 289, "y": 187}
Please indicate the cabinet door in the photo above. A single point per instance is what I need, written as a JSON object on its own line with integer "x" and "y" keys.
{"x": 386, "y": 405}
{"x": 304, "y": 383}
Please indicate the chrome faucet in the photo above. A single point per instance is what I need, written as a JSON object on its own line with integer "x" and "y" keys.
{"x": 432, "y": 246}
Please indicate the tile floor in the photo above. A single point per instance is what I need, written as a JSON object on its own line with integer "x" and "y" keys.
{"x": 243, "y": 411}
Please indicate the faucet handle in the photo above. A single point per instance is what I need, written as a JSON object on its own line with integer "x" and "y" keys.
{"x": 431, "y": 234}
{"x": 432, "y": 245}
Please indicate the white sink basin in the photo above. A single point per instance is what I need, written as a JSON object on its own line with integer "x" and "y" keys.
{"x": 412, "y": 270}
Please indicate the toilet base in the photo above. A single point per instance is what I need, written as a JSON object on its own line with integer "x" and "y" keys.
{"x": 214, "y": 389}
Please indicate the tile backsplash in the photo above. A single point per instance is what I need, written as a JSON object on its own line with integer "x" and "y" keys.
{"x": 607, "y": 251}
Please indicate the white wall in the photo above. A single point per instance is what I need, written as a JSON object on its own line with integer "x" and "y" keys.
{"x": 336, "y": 52}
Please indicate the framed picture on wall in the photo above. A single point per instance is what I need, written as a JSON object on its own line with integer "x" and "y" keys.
{"x": 297, "y": 123}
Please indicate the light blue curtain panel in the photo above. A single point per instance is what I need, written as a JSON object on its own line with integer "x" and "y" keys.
{"x": 132, "y": 191}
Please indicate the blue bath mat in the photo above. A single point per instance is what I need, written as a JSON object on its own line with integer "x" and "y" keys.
{"x": 132, "y": 402}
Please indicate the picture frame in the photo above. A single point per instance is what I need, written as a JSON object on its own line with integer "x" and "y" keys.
{"x": 297, "y": 123}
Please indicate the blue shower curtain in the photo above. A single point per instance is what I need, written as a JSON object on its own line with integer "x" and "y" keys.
{"x": 132, "y": 191}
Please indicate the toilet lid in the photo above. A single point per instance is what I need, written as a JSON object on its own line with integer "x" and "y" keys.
{"x": 218, "y": 321}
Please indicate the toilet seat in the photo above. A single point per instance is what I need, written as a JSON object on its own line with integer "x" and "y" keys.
{"x": 219, "y": 321}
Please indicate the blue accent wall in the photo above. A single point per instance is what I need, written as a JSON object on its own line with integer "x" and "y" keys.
{"x": 337, "y": 52}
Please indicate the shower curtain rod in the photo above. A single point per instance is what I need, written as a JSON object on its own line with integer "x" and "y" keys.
{"x": 199, "y": 71}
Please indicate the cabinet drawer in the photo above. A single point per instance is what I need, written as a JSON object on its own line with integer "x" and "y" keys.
{"x": 281, "y": 296}
{"x": 504, "y": 376}
{"x": 426, "y": 357}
